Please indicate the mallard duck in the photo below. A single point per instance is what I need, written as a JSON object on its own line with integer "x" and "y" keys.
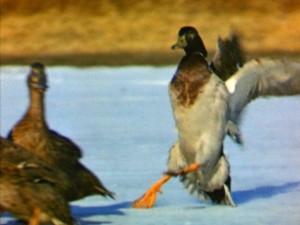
{"x": 200, "y": 103}
{"x": 28, "y": 188}
{"x": 33, "y": 134}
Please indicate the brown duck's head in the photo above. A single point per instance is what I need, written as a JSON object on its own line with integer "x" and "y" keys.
{"x": 190, "y": 41}
{"x": 37, "y": 78}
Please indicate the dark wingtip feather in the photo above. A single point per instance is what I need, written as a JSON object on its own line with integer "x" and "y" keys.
{"x": 106, "y": 193}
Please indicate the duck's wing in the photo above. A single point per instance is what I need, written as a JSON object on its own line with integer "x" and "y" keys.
{"x": 92, "y": 184}
{"x": 229, "y": 57}
{"x": 19, "y": 162}
{"x": 261, "y": 78}
{"x": 227, "y": 60}
{"x": 65, "y": 146}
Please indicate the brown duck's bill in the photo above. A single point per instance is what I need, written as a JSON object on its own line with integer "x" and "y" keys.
{"x": 175, "y": 46}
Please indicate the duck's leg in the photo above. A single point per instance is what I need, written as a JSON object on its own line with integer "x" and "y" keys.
{"x": 192, "y": 168}
{"x": 148, "y": 199}
{"x": 35, "y": 219}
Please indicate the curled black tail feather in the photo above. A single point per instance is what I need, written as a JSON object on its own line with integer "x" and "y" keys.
{"x": 218, "y": 196}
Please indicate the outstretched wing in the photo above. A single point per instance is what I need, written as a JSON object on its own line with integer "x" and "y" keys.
{"x": 228, "y": 58}
{"x": 260, "y": 78}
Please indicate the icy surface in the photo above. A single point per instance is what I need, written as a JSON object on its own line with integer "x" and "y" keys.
{"x": 122, "y": 120}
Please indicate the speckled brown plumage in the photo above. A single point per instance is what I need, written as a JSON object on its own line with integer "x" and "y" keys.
{"x": 33, "y": 134}
{"x": 27, "y": 184}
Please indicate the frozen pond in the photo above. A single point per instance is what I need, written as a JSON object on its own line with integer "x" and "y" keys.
{"x": 122, "y": 120}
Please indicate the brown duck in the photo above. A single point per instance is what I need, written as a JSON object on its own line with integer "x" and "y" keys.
{"x": 28, "y": 188}
{"x": 33, "y": 134}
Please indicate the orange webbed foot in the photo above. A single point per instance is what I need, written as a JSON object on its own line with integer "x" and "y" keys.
{"x": 149, "y": 198}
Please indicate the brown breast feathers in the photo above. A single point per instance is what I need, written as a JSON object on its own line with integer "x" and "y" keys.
{"x": 191, "y": 76}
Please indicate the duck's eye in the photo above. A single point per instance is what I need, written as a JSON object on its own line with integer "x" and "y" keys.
{"x": 191, "y": 35}
{"x": 182, "y": 40}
